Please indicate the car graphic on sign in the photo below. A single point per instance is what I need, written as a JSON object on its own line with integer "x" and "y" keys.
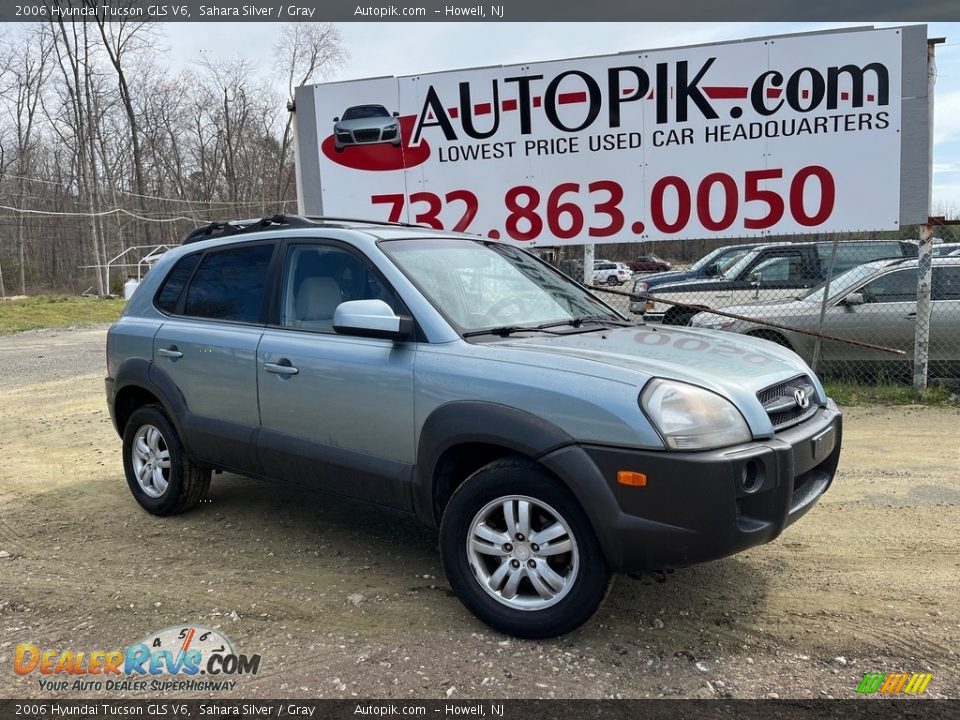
{"x": 366, "y": 125}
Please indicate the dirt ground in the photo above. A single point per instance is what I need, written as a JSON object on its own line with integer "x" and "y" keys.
{"x": 345, "y": 601}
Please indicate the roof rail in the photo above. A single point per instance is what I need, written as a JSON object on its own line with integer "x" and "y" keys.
{"x": 364, "y": 221}
{"x": 234, "y": 227}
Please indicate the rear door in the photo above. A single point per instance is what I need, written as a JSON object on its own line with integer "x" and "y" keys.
{"x": 887, "y": 318}
{"x": 336, "y": 411}
{"x": 945, "y": 322}
{"x": 207, "y": 350}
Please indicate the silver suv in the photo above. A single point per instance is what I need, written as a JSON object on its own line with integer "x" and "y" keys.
{"x": 471, "y": 385}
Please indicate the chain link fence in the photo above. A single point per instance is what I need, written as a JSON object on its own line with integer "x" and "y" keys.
{"x": 846, "y": 304}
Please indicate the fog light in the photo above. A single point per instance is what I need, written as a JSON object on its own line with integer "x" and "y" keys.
{"x": 752, "y": 477}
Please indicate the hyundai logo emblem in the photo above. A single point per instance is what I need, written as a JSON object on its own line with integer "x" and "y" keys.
{"x": 800, "y": 396}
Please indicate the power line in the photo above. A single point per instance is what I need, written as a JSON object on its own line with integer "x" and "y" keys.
{"x": 112, "y": 211}
{"x": 152, "y": 197}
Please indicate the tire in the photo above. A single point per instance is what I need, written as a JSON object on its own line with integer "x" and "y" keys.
{"x": 175, "y": 484}
{"x": 612, "y": 280}
{"x": 573, "y": 576}
{"x": 678, "y": 317}
{"x": 772, "y": 336}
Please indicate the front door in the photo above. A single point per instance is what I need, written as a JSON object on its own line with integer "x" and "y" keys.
{"x": 336, "y": 411}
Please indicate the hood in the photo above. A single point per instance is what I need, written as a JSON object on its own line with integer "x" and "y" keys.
{"x": 667, "y": 277}
{"x": 734, "y": 366}
{"x": 769, "y": 311}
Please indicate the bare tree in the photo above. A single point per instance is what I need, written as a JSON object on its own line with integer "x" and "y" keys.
{"x": 122, "y": 38}
{"x": 24, "y": 77}
{"x": 305, "y": 52}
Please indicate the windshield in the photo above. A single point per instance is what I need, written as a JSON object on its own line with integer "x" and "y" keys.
{"x": 737, "y": 264}
{"x": 708, "y": 259}
{"x": 365, "y": 111}
{"x": 842, "y": 283}
{"x": 478, "y": 286}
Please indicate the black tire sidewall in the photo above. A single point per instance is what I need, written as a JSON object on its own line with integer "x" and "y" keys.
{"x": 499, "y": 480}
{"x": 165, "y": 504}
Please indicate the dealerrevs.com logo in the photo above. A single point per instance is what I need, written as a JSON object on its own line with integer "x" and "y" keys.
{"x": 188, "y": 658}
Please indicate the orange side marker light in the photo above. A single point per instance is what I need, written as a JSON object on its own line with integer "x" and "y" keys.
{"x": 631, "y": 478}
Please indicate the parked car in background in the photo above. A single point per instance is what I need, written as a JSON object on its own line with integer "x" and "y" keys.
{"x": 606, "y": 272}
{"x": 945, "y": 248}
{"x": 709, "y": 266}
{"x": 767, "y": 273}
{"x": 874, "y": 303}
{"x": 648, "y": 264}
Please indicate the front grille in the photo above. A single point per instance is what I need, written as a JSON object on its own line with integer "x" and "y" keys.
{"x": 780, "y": 402}
{"x": 366, "y": 135}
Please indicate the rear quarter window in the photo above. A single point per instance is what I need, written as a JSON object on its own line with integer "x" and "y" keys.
{"x": 172, "y": 287}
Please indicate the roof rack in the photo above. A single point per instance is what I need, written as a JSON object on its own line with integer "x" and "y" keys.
{"x": 234, "y": 227}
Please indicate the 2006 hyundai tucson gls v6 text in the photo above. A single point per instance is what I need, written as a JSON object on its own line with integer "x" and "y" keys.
{"x": 470, "y": 384}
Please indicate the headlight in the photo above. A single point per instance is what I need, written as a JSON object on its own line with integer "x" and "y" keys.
{"x": 691, "y": 418}
{"x": 711, "y": 321}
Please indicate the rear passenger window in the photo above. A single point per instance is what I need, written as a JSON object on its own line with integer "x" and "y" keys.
{"x": 946, "y": 283}
{"x": 229, "y": 284}
{"x": 851, "y": 254}
{"x": 172, "y": 288}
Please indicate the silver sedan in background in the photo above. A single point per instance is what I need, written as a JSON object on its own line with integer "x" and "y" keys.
{"x": 874, "y": 303}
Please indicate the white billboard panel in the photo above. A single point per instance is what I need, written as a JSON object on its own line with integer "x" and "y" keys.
{"x": 763, "y": 137}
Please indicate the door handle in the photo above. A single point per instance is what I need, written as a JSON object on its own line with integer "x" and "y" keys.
{"x": 281, "y": 369}
{"x": 910, "y": 315}
{"x": 170, "y": 352}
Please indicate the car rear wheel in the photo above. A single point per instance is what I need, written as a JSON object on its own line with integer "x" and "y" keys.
{"x": 613, "y": 280}
{"x": 520, "y": 552}
{"x": 160, "y": 475}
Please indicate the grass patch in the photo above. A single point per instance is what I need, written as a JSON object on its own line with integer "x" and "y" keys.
{"x": 55, "y": 311}
{"x": 850, "y": 393}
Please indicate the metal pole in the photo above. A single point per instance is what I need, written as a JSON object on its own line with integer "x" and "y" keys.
{"x": 823, "y": 305}
{"x": 921, "y": 343}
{"x": 588, "y": 264}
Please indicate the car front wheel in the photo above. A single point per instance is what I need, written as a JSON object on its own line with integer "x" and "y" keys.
{"x": 520, "y": 552}
{"x": 160, "y": 475}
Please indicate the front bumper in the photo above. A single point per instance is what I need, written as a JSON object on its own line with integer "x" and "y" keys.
{"x": 707, "y": 505}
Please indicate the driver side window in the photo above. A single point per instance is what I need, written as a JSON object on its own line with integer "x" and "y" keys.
{"x": 899, "y": 286}
{"x": 317, "y": 278}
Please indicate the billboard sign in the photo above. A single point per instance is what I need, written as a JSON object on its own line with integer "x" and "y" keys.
{"x": 770, "y": 136}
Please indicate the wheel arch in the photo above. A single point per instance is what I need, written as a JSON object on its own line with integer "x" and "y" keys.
{"x": 459, "y": 438}
{"x": 138, "y": 382}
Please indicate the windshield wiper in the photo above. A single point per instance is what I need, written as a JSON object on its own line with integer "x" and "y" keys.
{"x": 598, "y": 319}
{"x": 504, "y": 330}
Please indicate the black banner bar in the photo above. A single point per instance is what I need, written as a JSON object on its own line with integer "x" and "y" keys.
{"x": 469, "y": 11}
{"x": 861, "y": 709}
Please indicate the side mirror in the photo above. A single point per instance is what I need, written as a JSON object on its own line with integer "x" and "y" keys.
{"x": 370, "y": 318}
{"x": 336, "y": 119}
{"x": 712, "y": 270}
{"x": 396, "y": 114}
{"x": 756, "y": 277}
{"x": 853, "y": 299}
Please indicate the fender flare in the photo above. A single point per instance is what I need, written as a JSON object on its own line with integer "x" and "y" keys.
{"x": 144, "y": 374}
{"x": 484, "y": 422}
